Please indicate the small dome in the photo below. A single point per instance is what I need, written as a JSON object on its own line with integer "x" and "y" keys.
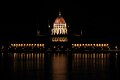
{"x": 59, "y": 20}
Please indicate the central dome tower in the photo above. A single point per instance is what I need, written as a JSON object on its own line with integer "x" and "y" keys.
{"x": 59, "y": 26}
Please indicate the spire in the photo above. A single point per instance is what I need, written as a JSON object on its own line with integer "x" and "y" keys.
{"x": 59, "y": 13}
{"x": 68, "y": 25}
{"x": 81, "y": 32}
{"x": 38, "y": 30}
{"x": 48, "y": 24}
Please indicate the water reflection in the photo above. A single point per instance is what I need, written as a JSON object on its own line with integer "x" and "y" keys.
{"x": 27, "y": 64}
{"x": 60, "y": 66}
{"x": 91, "y": 66}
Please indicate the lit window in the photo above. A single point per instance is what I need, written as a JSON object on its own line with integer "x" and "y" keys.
{"x": 42, "y": 45}
{"x": 14, "y": 45}
{"x": 88, "y": 44}
{"x": 97, "y": 45}
{"x": 37, "y": 45}
{"x": 34, "y": 44}
{"x": 80, "y": 44}
{"x": 107, "y": 44}
{"x": 11, "y": 44}
{"x": 21, "y": 45}
{"x": 75, "y": 45}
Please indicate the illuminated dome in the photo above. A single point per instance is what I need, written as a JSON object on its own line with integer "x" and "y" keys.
{"x": 59, "y": 26}
{"x": 59, "y": 20}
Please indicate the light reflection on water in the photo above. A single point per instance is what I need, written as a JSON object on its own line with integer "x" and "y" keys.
{"x": 60, "y": 66}
{"x": 88, "y": 65}
{"x": 27, "y": 64}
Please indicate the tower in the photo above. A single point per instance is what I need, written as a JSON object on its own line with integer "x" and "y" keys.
{"x": 81, "y": 33}
{"x": 59, "y": 31}
{"x": 59, "y": 26}
{"x": 49, "y": 28}
{"x": 38, "y": 30}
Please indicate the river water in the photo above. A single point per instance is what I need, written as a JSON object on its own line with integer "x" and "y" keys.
{"x": 59, "y": 66}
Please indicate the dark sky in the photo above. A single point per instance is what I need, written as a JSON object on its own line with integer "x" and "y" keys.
{"x": 21, "y": 19}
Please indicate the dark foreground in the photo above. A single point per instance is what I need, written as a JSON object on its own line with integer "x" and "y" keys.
{"x": 59, "y": 66}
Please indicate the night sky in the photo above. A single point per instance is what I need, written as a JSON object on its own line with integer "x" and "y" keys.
{"x": 22, "y": 19}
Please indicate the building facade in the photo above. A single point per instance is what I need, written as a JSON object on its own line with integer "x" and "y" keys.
{"x": 59, "y": 40}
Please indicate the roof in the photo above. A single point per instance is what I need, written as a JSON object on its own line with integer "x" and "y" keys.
{"x": 59, "y": 20}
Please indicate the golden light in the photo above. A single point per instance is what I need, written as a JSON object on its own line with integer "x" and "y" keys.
{"x": 59, "y": 26}
{"x": 80, "y": 44}
{"x": 24, "y": 45}
{"x": 14, "y": 45}
{"x": 29, "y": 45}
{"x": 97, "y": 45}
{"x": 21, "y": 45}
{"x": 42, "y": 45}
{"x": 34, "y": 44}
{"x": 102, "y": 45}
{"x": 107, "y": 44}
{"x": 11, "y": 44}
{"x": 37, "y": 45}
{"x": 88, "y": 44}
{"x": 77, "y": 45}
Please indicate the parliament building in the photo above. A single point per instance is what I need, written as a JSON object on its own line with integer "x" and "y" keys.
{"x": 58, "y": 39}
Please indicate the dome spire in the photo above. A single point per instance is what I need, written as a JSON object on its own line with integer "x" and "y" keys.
{"x": 48, "y": 24}
{"x": 59, "y": 13}
{"x": 81, "y": 32}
